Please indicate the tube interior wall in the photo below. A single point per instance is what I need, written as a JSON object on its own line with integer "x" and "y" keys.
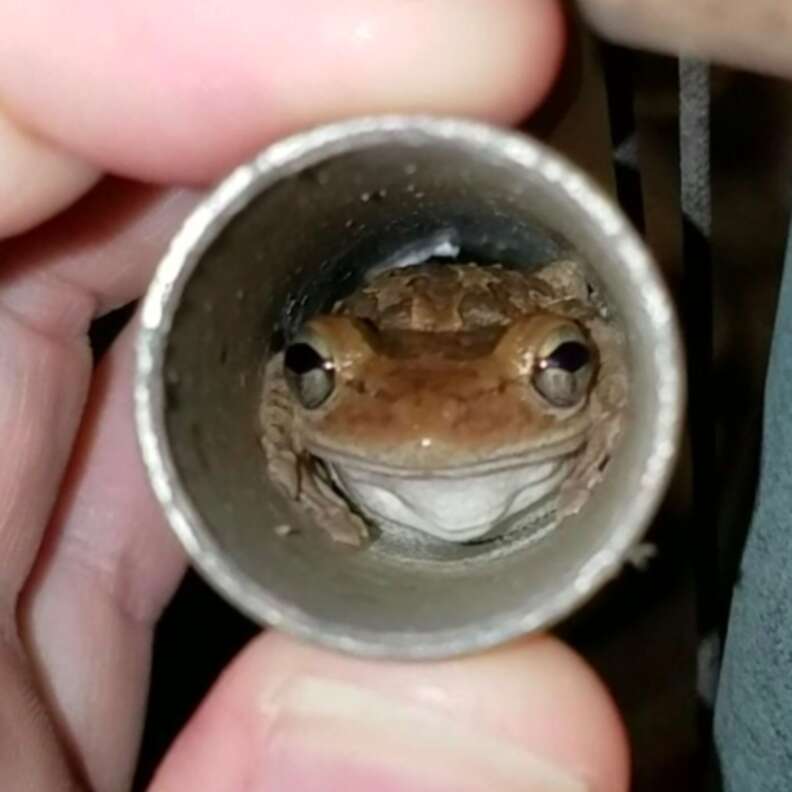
{"x": 294, "y": 249}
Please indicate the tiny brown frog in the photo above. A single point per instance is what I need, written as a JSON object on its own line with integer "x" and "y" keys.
{"x": 459, "y": 400}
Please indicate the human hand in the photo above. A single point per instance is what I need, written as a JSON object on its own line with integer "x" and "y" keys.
{"x": 175, "y": 94}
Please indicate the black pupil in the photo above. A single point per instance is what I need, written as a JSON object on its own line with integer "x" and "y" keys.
{"x": 569, "y": 356}
{"x": 301, "y": 358}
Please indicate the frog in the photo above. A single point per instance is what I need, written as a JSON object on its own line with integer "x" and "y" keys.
{"x": 460, "y": 402}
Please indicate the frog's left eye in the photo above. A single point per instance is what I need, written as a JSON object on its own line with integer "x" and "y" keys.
{"x": 309, "y": 370}
{"x": 564, "y": 367}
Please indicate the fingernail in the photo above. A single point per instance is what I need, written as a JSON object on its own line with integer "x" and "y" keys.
{"x": 328, "y": 735}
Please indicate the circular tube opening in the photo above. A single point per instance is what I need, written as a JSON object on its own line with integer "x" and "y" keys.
{"x": 278, "y": 241}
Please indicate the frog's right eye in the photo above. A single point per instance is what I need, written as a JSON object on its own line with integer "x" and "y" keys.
{"x": 564, "y": 366}
{"x": 309, "y": 370}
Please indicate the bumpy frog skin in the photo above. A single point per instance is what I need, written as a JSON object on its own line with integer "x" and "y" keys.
{"x": 461, "y": 401}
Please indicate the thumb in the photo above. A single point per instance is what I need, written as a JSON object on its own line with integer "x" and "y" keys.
{"x": 284, "y": 716}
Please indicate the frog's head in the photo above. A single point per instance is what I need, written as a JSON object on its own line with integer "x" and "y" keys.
{"x": 449, "y": 432}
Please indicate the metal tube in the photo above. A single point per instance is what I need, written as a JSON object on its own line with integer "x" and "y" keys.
{"x": 280, "y": 239}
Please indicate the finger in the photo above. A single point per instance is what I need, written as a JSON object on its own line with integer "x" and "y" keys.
{"x": 753, "y": 34}
{"x": 43, "y": 381}
{"x": 96, "y": 256}
{"x": 52, "y": 283}
{"x": 529, "y": 717}
{"x": 180, "y": 91}
{"x": 36, "y": 180}
{"x": 108, "y": 564}
{"x": 107, "y": 570}
{"x": 30, "y": 757}
{"x": 42, "y": 388}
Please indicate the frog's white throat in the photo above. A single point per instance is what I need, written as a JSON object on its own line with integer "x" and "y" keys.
{"x": 471, "y": 505}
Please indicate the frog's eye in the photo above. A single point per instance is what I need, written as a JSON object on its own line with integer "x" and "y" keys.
{"x": 309, "y": 370}
{"x": 564, "y": 367}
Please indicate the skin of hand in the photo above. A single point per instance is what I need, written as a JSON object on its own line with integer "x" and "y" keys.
{"x": 174, "y": 94}
{"x": 748, "y": 35}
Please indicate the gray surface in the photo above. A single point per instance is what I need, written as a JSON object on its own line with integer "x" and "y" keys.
{"x": 753, "y": 722}
{"x": 694, "y": 131}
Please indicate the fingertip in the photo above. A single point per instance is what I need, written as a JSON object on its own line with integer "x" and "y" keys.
{"x": 494, "y": 61}
{"x": 528, "y": 716}
{"x": 181, "y": 95}
{"x": 582, "y": 725}
{"x": 543, "y": 46}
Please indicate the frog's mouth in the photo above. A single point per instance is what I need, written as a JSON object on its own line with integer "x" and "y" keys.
{"x": 409, "y": 462}
{"x": 460, "y": 503}
{"x": 470, "y": 505}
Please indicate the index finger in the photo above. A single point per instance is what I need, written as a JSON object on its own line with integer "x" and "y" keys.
{"x": 179, "y": 91}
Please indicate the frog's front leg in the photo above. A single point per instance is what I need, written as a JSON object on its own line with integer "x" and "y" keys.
{"x": 327, "y": 507}
{"x": 294, "y": 471}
